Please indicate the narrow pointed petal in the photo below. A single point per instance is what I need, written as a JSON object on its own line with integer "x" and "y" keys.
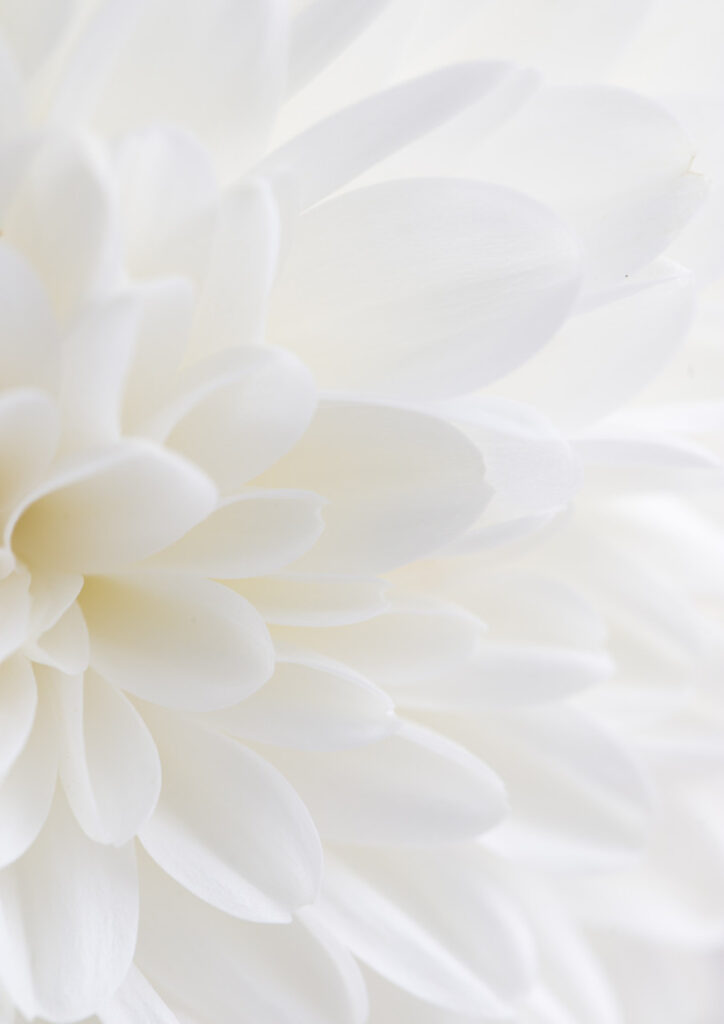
{"x": 109, "y": 765}
{"x": 436, "y": 924}
{"x": 26, "y": 792}
{"x": 415, "y": 787}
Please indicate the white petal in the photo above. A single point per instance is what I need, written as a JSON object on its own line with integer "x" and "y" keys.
{"x": 68, "y": 929}
{"x": 233, "y": 972}
{"x": 178, "y": 641}
{"x": 433, "y": 923}
{"x": 96, "y": 358}
{"x": 415, "y": 787}
{"x": 111, "y": 509}
{"x": 19, "y": 698}
{"x": 29, "y": 430}
{"x": 321, "y": 30}
{"x": 312, "y": 599}
{"x": 343, "y": 146}
{"x": 15, "y": 612}
{"x": 239, "y": 271}
{"x": 136, "y": 1002}
{"x": 529, "y": 464}
{"x": 509, "y": 675}
{"x": 26, "y": 792}
{"x": 228, "y": 827}
{"x": 33, "y": 31}
{"x": 109, "y": 765}
{"x": 251, "y": 535}
{"x": 423, "y": 287}
{"x": 30, "y": 346}
{"x": 615, "y": 163}
{"x": 162, "y": 336}
{"x": 312, "y": 703}
{"x": 412, "y": 641}
{"x": 239, "y": 411}
{"x": 578, "y": 796}
{"x": 399, "y": 484}
{"x": 602, "y": 358}
{"x": 60, "y": 219}
{"x": 65, "y": 645}
{"x": 12, "y": 104}
{"x": 166, "y": 181}
{"x": 52, "y": 594}
{"x": 219, "y": 74}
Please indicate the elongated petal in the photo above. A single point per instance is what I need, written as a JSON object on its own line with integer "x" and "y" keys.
{"x": 228, "y": 101}
{"x": 423, "y": 287}
{"x": 433, "y": 923}
{"x": 617, "y": 164}
{"x": 335, "y": 151}
{"x": 235, "y": 972}
{"x": 321, "y": 30}
{"x": 65, "y": 645}
{"x": 312, "y": 703}
{"x": 314, "y": 599}
{"x": 579, "y": 797}
{"x": 509, "y": 675}
{"x": 609, "y": 353}
{"x": 68, "y": 929}
{"x": 399, "y": 483}
{"x": 136, "y": 1002}
{"x": 178, "y": 641}
{"x": 113, "y": 509}
{"x": 96, "y": 358}
{"x": 61, "y": 217}
{"x": 26, "y": 792}
{"x": 109, "y": 765}
{"x": 254, "y": 534}
{"x": 239, "y": 270}
{"x": 228, "y": 827}
{"x": 413, "y": 640}
{"x": 19, "y": 697}
{"x": 30, "y": 346}
{"x": 29, "y": 431}
{"x": 416, "y": 787}
{"x": 15, "y": 612}
{"x": 238, "y": 412}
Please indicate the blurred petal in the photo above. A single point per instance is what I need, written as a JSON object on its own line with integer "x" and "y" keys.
{"x": 423, "y": 287}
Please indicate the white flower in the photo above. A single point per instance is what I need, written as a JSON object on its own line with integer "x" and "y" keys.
{"x": 359, "y": 573}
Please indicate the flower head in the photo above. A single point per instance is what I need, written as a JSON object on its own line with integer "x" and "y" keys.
{"x": 355, "y": 556}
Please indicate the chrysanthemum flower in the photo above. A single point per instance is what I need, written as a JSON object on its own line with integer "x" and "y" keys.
{"x": 360, "y": 566}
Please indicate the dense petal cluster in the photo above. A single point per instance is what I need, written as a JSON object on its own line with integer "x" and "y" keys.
{"x": 361, "y": 572}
